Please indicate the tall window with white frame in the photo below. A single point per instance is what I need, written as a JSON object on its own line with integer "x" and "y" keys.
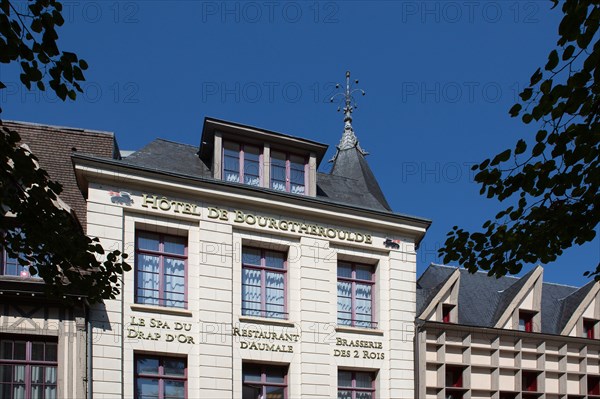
{"x": 356, "y": 283}
{"x": 241, "y": 163}
{"x": 288, "y": 172}
{"x": 28, "y": 368}
{"x": 261, "y": 381}
{"x": 356, "y": 385}
{"x": 264, "y": 283}
{"x": 160, "y": 269}
{"x": 158, "y": 377}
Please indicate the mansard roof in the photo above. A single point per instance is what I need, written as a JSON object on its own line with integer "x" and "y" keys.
{"x": 482, "y": 299}
{"x": 350, "y": 182}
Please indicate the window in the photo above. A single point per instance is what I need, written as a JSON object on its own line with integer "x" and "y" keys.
{"x": 28, "y": 369}
{"x": 10, "y": 266}
{"x": 454, "y": 376}
{"x": 260, "y": 381}
{"x": 160, "y": 377}
{"x": 288, "y": 173}
{"x": 529, "y": 379}
{"x": 356, "y": 385}
{"x": 355, "y": 295}
{"x": 241, "y": 163}
{"x": 447, "y": 313}
{"x": 263, "y": 283}
{"x": 160, "y": 269}
{"x": 588, "y": 328}
{"x": 593, "y": 383}
{"x": 526, "y": 320}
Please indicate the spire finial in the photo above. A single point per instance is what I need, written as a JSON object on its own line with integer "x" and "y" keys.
{"x": 349, "y": 139}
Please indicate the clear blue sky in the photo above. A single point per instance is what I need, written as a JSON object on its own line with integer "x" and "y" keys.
{"x": 440, "y": 77}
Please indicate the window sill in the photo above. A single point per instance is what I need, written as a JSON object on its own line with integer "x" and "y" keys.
{"x": 264, "y": 320}
{"x": 359, "y": 330}
{"x": 161, "y": 309}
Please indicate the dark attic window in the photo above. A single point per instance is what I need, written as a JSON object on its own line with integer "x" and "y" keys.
{"x": 526, "y": 320}
{"x": 447, "y": 313}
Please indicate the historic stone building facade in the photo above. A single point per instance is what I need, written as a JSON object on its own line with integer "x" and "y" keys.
{"x": 44, "y": 342}
{"x": 255, "y": 275}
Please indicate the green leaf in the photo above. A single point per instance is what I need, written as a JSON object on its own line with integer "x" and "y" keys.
{"x": 526, "y": 94}
{"x": 541, "y": 135}
{"x": 536, "y": 77}
{"x": 514, "y": 111}
{"x": 552, "y": 60}
{"x": 502, "y": 157}
{"x": 568, "y": 53}
{"x": 521, "y": 147}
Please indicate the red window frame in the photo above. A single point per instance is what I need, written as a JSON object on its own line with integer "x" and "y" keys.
{"x": 353, "y": 389}
{"x": 354, "y": 281}
{"x": 263, "y": 268}
{"x": 454, "y": 376}
{"x": 162, "y": 300}
{"x": 526, "y": 317}
{"x": 529, "y": 381}
{"x": 161, "y": 376}
{"x": 29, "y": 363}
{"x": 241, "y": 158}
{"x": 265, "y": 370}
{"x": 447, "y": 313}
{"x": 589, "y": 327}
{"x": 288, "y": 171}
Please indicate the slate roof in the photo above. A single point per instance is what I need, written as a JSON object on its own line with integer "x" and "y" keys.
{"x": 351, "y": 164}
{"x": 482, "y": 299}
{"x": 350, "y": 182}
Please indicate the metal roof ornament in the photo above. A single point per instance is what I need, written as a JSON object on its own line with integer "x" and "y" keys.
{"x": 346, "y": 97}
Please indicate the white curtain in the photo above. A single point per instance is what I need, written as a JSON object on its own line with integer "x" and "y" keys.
{"x": 174, "y": 282}
{"x": 148, "y": 278}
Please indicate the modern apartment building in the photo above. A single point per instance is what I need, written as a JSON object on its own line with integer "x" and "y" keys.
{"x": 482, "y": 337}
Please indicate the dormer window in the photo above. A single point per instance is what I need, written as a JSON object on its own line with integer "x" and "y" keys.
{"x": 288, "y": 172}
{"x": 447, "y": 313}
{"x": 526, "y": 320}
{"x": 260, "y": 158}
{"x": 241, "y": 163}
{"x": 589, "y": 326}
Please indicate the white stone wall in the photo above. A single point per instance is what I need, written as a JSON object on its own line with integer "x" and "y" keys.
{"x": 216, "y": 353}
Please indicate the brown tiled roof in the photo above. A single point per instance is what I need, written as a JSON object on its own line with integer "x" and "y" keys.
{"x": 53, "y": 146}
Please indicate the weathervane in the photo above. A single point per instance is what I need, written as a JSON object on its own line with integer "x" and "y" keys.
{"x": 349, "y": 139}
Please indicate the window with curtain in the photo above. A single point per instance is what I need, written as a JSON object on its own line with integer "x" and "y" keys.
{"x": 158, "y": 377}
{"x": 241, "y": 163}
{"x": 355, "y": 295}
{"x": 28, "y": 369}
{"x": 288, "y": 172}
{"x": 263, "y": 283}
{"x": 356, "y": 385}
{"x": 261, "y": 381}
{"x": 160, "y": 269}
